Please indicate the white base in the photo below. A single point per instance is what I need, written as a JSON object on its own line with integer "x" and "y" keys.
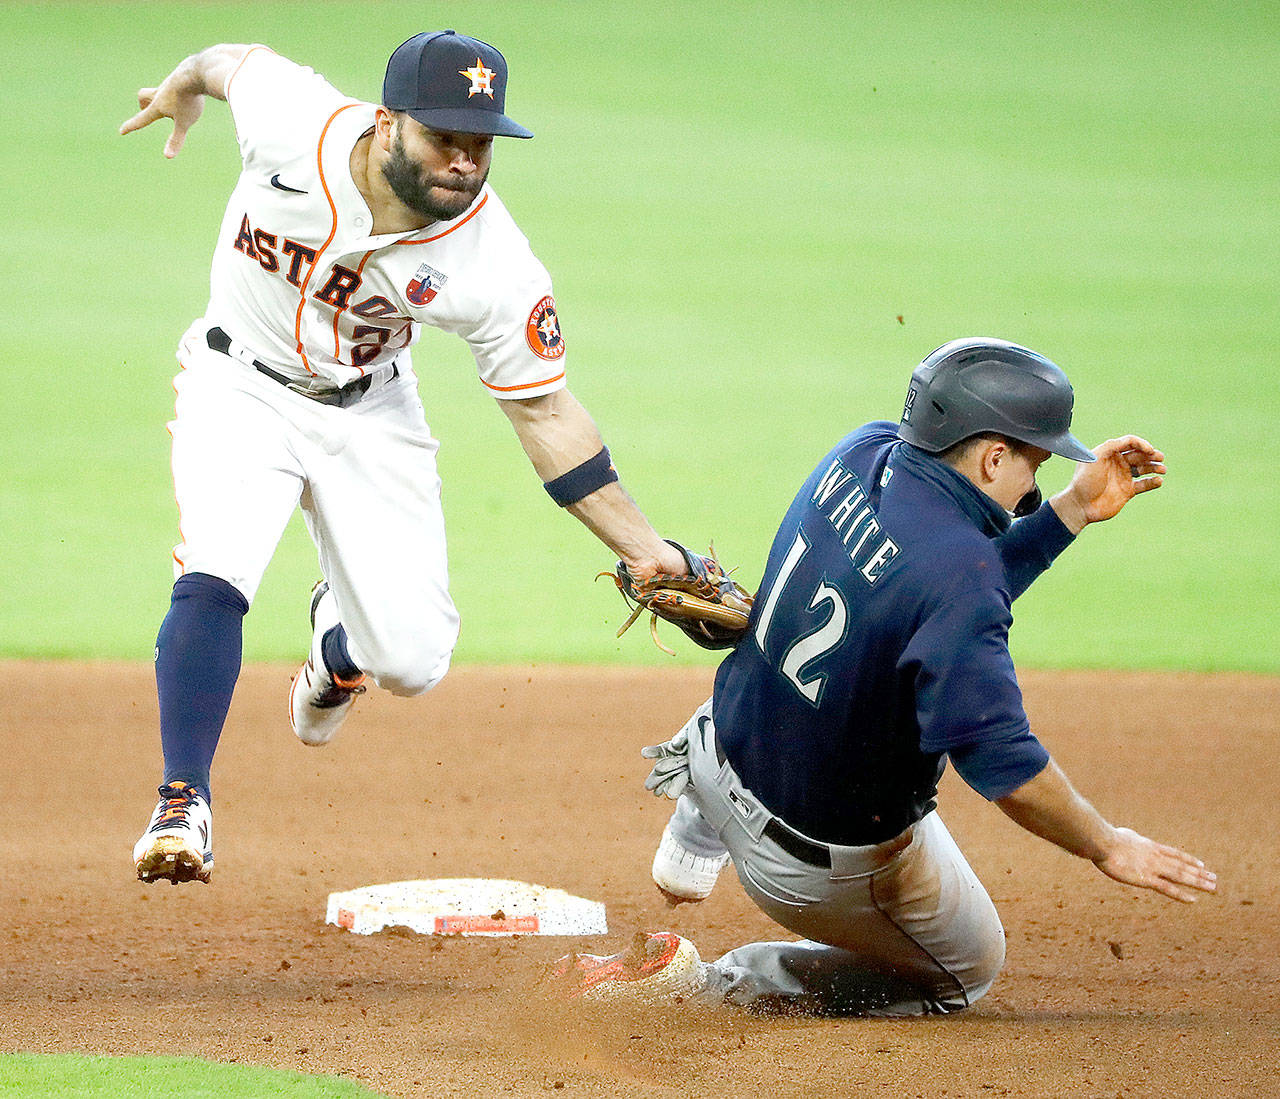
{"x": 466, "y": 906}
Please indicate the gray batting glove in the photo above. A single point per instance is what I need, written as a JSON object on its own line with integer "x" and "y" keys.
{"x": 670, "y": 775}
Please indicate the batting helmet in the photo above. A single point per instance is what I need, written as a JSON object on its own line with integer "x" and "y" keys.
{"x": 980, "y": 384}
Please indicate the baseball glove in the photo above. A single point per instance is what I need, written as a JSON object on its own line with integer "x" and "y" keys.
{"x": 705, "y": 602}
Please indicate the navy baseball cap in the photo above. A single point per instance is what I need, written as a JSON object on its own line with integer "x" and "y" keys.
{"x": 448, "y": 81}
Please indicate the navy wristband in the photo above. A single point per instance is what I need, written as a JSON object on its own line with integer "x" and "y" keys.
{"x": 582, "y": 480}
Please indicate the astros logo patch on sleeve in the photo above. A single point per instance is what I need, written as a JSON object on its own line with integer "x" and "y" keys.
{"x": 543, "y": 330}
{"x": 424, "y": 285}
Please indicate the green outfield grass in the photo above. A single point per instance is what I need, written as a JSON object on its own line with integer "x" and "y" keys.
{"x": 758, "y": 218}
{"x": 64, "y": 1076}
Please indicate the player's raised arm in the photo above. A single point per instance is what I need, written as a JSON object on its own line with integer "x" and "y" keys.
{"x": 1126, "y": 467}
{"x": 566, "y": 450}
{"x": 1049, "y": 807}
{"x": 180, "y": 95}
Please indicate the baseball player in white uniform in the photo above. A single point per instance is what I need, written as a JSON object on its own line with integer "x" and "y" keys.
{"x": 351, "y": 226}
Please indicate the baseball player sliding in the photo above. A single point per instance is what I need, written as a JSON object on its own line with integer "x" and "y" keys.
{"x": 877, "y": 648}
{"x": 351, "y": 226}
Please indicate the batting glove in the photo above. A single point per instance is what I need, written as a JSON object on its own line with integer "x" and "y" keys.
{"x": 670, "y": 775}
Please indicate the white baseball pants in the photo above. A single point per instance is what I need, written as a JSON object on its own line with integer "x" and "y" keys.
{"x": 247, "y": 451}
{"x": 895, "y": 929}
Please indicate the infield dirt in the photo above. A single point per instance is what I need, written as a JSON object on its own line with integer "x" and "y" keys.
{"x": 534, "y": 774}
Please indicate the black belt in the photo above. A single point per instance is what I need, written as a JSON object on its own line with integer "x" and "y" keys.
{"x": 219, "y": 341}
{"x": 791, "y": 841}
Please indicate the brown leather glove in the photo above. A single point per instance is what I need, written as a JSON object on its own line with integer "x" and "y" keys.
{"x": 705, "y": 601}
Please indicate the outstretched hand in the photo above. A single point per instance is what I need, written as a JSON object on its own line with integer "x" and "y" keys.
{"x": 1126, "y": 467}
{"x": 182, "y": 93}
{"x": 175, "y": 99}
{"x": 1135, "y": 860}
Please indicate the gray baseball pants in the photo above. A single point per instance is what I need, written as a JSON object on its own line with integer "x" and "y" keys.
{"x": 900, "y": 928}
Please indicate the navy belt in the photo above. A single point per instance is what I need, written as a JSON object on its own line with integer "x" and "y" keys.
{"x": 348, "y": 394}
{"x": 791, "y": 841}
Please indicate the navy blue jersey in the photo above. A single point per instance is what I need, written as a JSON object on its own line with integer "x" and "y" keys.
{"x": 878, "y": 644}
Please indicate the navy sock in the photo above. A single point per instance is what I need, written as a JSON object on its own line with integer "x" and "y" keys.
{"x": 197, "y": 664}
{"x": 333, "y": 647}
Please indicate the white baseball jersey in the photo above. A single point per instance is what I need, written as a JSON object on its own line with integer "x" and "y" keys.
{"x": 300, "y": 281}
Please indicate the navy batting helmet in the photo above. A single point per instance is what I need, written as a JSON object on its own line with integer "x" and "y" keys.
{"x": 979, "y": 384}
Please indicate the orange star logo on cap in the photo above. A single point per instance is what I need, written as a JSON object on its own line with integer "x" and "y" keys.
{"x": 481, "y": 79}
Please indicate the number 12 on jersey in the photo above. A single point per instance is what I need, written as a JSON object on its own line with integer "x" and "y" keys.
{"x": 809, "y": 647}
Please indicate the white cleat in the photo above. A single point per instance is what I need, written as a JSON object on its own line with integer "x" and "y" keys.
{"x": 658, "y": 967}
{"x": 319, "y": 702}
{"x": 178, "y": 843}
{"x": 680, "y": 875}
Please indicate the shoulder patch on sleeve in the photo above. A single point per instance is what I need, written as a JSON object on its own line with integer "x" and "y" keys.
{"x": 542, "y": 330}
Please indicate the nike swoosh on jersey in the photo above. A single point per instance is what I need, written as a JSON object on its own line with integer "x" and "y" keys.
{"x": 275, "y": 182}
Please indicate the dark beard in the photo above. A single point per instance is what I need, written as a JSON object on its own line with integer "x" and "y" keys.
{"x": 413, "y": 187}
